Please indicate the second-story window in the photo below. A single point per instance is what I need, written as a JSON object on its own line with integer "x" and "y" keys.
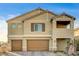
{"x": 14, "y": 26}
{"x": 37, "y": 27}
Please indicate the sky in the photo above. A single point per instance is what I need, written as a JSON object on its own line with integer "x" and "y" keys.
{"x": 11, "y": 10}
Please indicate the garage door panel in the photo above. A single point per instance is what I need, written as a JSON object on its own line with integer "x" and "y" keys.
{"x": 38, "y": 45}
{"x": 16, "y": 45}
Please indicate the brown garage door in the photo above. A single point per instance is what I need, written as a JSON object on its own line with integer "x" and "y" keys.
{"x": 16, "y": 45}
{"x": 37, "y": 45}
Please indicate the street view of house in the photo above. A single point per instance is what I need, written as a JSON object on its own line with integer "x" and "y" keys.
{"x": 41, "y": 31}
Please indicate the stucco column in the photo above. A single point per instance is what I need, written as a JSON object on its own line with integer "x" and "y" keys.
{"x": 54, "y": 45}
{"x": 72, "y": 24}
{"x": 54, "y": 41}
{"x": 24, "y": 45}
{"x": 72, "y": 29}
{"x": 50, "y": 45}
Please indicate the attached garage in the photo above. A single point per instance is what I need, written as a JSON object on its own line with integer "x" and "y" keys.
{"x": 16, "y": 45}
{"x": 38, "y": 45}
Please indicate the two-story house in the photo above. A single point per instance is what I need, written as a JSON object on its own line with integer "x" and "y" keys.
{"x": 40, "y": 30}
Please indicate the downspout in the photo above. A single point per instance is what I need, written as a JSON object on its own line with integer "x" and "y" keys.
{"x": 23, "y": 28}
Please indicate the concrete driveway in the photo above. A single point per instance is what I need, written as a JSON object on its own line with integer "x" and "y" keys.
{"x": 39, "y": 53}
{"x": 34, "y": 54}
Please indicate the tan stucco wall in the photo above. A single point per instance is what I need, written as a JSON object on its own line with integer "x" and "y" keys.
{"x": 26, "y": 26}
{"x": 39, "y": 19}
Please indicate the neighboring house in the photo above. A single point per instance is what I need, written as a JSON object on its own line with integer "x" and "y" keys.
{"x": 76, "y": 35}
{"x": 40, "y": 30}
